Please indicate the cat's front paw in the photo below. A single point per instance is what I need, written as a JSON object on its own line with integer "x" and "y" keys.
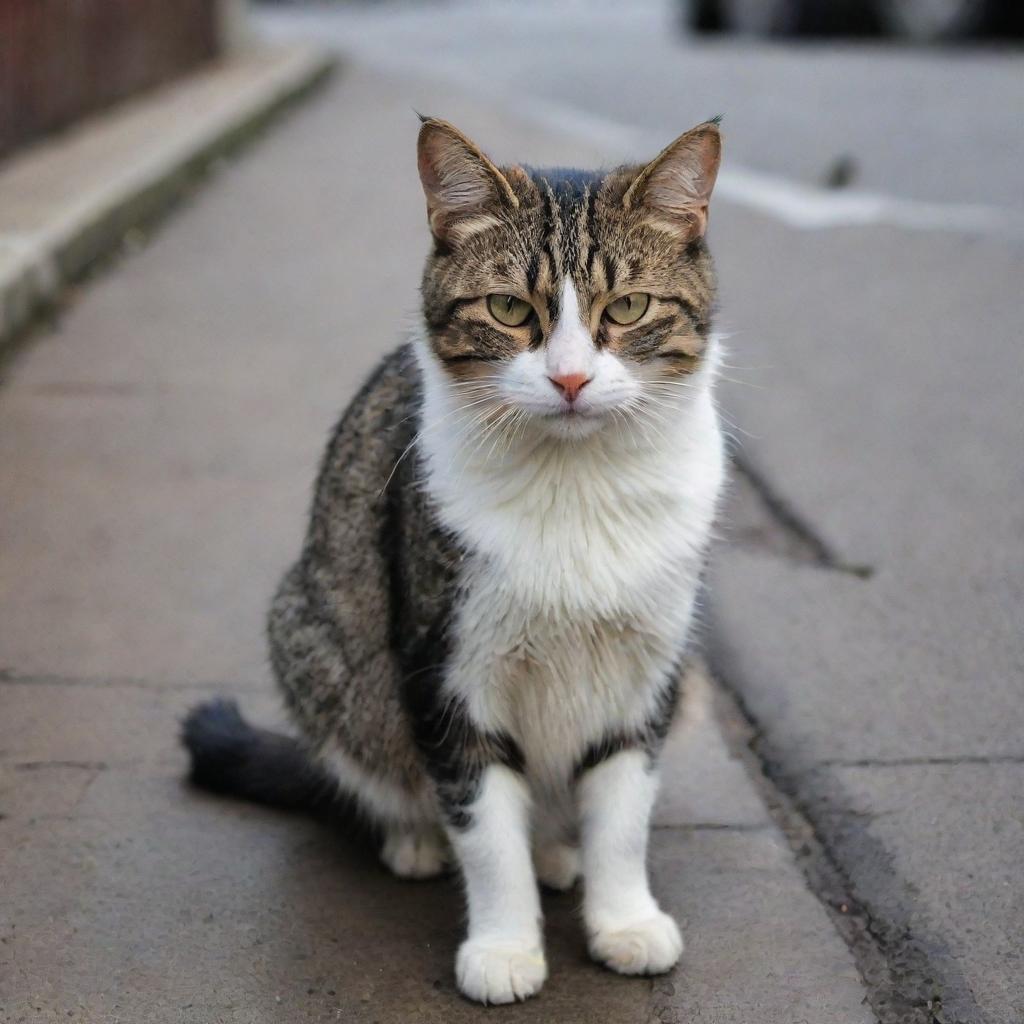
{"x": 650, "y": 946}
{"x": 496, "y": 971}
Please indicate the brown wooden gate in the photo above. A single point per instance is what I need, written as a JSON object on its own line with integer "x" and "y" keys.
{"x": 60, "y": 59}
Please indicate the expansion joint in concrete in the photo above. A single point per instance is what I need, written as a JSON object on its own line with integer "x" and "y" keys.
{"x": 900, "y": 981}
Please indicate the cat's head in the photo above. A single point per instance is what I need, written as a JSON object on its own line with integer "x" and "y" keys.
{"x": 570, "y": 299}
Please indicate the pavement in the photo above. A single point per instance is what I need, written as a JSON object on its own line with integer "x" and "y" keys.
{"x": 161, "y": 442}
{"x": 841, "y": 825}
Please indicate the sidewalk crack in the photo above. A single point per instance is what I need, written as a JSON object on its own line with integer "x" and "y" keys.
{"x": 714, "y": 826}
{"x": 11, "y": 677}
{"x": 86, "y": 766}
{"x": 903, "y": 985}
{"x": 807, "y": 544}
{"x": 904, "y": 762}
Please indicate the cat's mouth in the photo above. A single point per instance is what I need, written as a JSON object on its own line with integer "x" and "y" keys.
{"x": 574, "y": 421}
{"x": 573, "y": 412}
{"x": 582, "y": 407}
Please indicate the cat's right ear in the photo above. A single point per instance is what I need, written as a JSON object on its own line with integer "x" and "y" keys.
{"x": 675, "y": 187}
{"x": 465, "y": 191}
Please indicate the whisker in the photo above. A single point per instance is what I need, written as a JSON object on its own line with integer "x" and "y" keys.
{"x": 743, "y": 383}
{"x": 737, "y": 366}
{"x": 467, "y": 459}
{"x": 508, "y": 418}
{"x": 457, "y": 444}
{"x": 518, "y": 422}
{"x": 422, "y": 432}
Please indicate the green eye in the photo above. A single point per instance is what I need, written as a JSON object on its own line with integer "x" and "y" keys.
{"x": 509, "y": 310}
{"x": 628, "y": 309}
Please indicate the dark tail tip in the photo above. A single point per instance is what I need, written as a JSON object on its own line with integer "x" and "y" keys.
{"x": 232, "y": 757}
{"x": 219, "y": 739}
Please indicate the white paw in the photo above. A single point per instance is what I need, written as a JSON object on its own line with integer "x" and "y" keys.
{"x": 651, "y": 946}
{"x": 557, "y": 865}
{"x": 497, "y": 971}
{"x": 414, "y": 854}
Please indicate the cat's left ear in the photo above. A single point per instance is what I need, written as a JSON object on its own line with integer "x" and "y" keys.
{"x": 465, "y": 191}
{"x": 676, "y": 185}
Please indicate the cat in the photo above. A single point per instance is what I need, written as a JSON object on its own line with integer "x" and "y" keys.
{"x": 481, "y": 641}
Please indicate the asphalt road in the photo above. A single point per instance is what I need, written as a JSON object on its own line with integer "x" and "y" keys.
{"x": 877, "y": 364}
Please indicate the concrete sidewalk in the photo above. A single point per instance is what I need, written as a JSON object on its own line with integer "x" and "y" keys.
{"x": 159, "y": 446}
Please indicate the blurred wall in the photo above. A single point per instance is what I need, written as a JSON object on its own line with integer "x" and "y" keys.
{"x": 60, "y": 59}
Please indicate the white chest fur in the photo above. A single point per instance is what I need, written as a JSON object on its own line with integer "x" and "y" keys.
{"x": 587, "y": 555}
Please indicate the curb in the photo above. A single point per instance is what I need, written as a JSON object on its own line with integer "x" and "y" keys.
{"x": 138, "y": 160}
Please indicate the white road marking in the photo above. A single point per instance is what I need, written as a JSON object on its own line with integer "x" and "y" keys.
{"x": 798, "y": 205}
{"x": 793, "y": 203}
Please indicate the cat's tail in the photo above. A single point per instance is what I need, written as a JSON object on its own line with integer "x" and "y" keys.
{"x": 234, "y": 758}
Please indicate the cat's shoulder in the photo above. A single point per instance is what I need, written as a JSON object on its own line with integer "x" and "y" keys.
{"x": 367, "y": 442}
{"x": 381, "y": 417}
{"x": 390, "y": 393}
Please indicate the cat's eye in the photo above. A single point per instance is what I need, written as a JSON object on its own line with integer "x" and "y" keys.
{"x": 509, "y": 310}
{"x": 628, "y": 309}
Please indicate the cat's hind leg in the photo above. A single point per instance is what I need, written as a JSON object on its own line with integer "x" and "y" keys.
{"x": 558, "y": 865}
{"x": 415, "y": 852}
{"x": 556, "y": 852}
{"x": 413, "y": 844}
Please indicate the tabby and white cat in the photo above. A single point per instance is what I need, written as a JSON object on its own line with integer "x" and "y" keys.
{"x": 482, "y": 639}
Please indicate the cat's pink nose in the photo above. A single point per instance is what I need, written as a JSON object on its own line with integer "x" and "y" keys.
{"x": 570, "y": 384}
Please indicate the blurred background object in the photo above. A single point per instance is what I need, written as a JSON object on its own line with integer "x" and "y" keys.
{"x": 60, "y": 60}
{"x": 920, "y": 21}
{"x": 63, "y": 59}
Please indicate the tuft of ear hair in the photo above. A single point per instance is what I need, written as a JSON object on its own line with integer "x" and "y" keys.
{"x": 465, "y": 191}
{"x": 675, "y": 187}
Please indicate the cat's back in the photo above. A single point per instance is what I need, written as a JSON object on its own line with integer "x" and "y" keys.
{"x": 331, "y": 621}
{"x": 343, "y": 556}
